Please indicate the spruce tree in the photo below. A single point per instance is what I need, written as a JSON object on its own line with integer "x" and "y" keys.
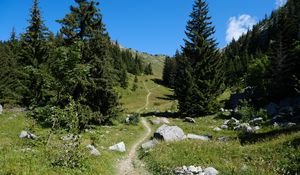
{"x": 33, "y": 55}
{"x": 205, "y": 61}
{"x": 84, "y": 25}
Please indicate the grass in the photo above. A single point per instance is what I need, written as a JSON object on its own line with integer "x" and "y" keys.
{"x": 39, "y": 160}
{"x": 279, "y": 155}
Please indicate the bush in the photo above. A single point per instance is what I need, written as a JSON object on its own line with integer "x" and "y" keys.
{"x": 133, "y": 119}
{"x": 73, "y": 117}
{"x": 247, "y": 112}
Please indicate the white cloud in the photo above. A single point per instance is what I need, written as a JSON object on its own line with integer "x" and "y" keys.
{"x": 237, "y": 26}
{"x": 280, "y": 3}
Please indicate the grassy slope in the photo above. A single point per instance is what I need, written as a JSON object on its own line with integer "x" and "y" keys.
{"x": 274, "y": 152}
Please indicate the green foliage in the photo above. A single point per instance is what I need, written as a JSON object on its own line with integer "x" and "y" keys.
{"x": 148, "y": 69}
{"x": 247, "y": 112}
{"x": 133, "y": 119}
{"x": 169, "y": 72}
{"x": 199, "y": 79}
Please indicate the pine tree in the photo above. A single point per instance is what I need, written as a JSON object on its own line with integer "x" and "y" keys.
{"x": 148, "y": 69}
{"x": 33, "y": 55}
{"x": 205, "y": 61}
{"x": 84, "y": 25}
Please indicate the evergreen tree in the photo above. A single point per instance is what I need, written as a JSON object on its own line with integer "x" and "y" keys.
{"x": 205, "y": 61}
{"x": 84, "y": 24}
{"x": 148, "y": 69}
{"x": 169, "y": 71}
{"x": 33, "y": 55}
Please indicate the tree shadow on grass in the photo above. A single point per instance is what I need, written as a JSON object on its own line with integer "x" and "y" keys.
{"x": 167, "y": 97}
{"x": 251, "y": 138}
{"x": 161, "y": 114}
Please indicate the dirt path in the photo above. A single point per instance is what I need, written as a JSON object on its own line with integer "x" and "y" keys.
{"x": 131, "y": 165}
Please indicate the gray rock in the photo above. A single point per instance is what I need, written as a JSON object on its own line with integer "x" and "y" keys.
{"x": 93, "y": 150}
{"x": 169, "y": 133}
{"x": 190, "y": 120}
{"x": 245, "y": 127}
{"x": 256, "y": 128}
{"x": 275, "y": 125}
{"x": 68, "y": 137}
{"x": 149, "y": 144}
{"x": 127, "y": 120}
{"x": 211, "y": 171}
{"x": 25, "y": 134}
{"x": 290, "y": 124}
{"x": 222, "y": 110}
{"x": 217, "y": 129}
{"x": 198, "y": 137}
{"x": 224, "y": 127}
{"x": 226, "y": 122}
{"x": 272, "y": 109}
{"x": 223, "y": 139}
{"x": 1, "y": 109}
{"x": 118, "y": 147}
{"x": 165, "y": 120}
{"x": 256, "y": 120}
{"x": 193, "y": 169}
{"x": 155, "y": 122}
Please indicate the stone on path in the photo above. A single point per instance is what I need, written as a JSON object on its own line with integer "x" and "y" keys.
{"x": 118, "y": 147}
{"x": 169, "y": 133}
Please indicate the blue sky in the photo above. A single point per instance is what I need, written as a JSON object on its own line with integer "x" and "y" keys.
{"x": 153, "y": 26}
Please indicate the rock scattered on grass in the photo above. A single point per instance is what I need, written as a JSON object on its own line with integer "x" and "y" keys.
{"x": 195, "y": 170}
{"x": 118, "y": 147}
{"x": 28, "y": 135}
{"x": 189, "y": 119}
{"x": 198, "y": 137}
{"x": 150, "y": 144}
{"x": 217, "y": 129}
{"x": 93, "y": 150}
{"x": 169, "y": 133}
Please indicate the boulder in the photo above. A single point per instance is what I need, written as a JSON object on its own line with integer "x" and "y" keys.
{"x": 149, "y": 144}
{"x": 245, "y": 127}
{"x": 169, "y": 133}
{"x": 189, "y": 119}
{"x": 1, "y": 109}
{"x": 217, "y": 129}
{"x": 210, "y": 171}
{"x": 272, "y": 109}
{"x": 28, "y": 135}
{"x": 118, "y": 147}
{"x": 198, "y": 137}
{"x": 93, "y": 150}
